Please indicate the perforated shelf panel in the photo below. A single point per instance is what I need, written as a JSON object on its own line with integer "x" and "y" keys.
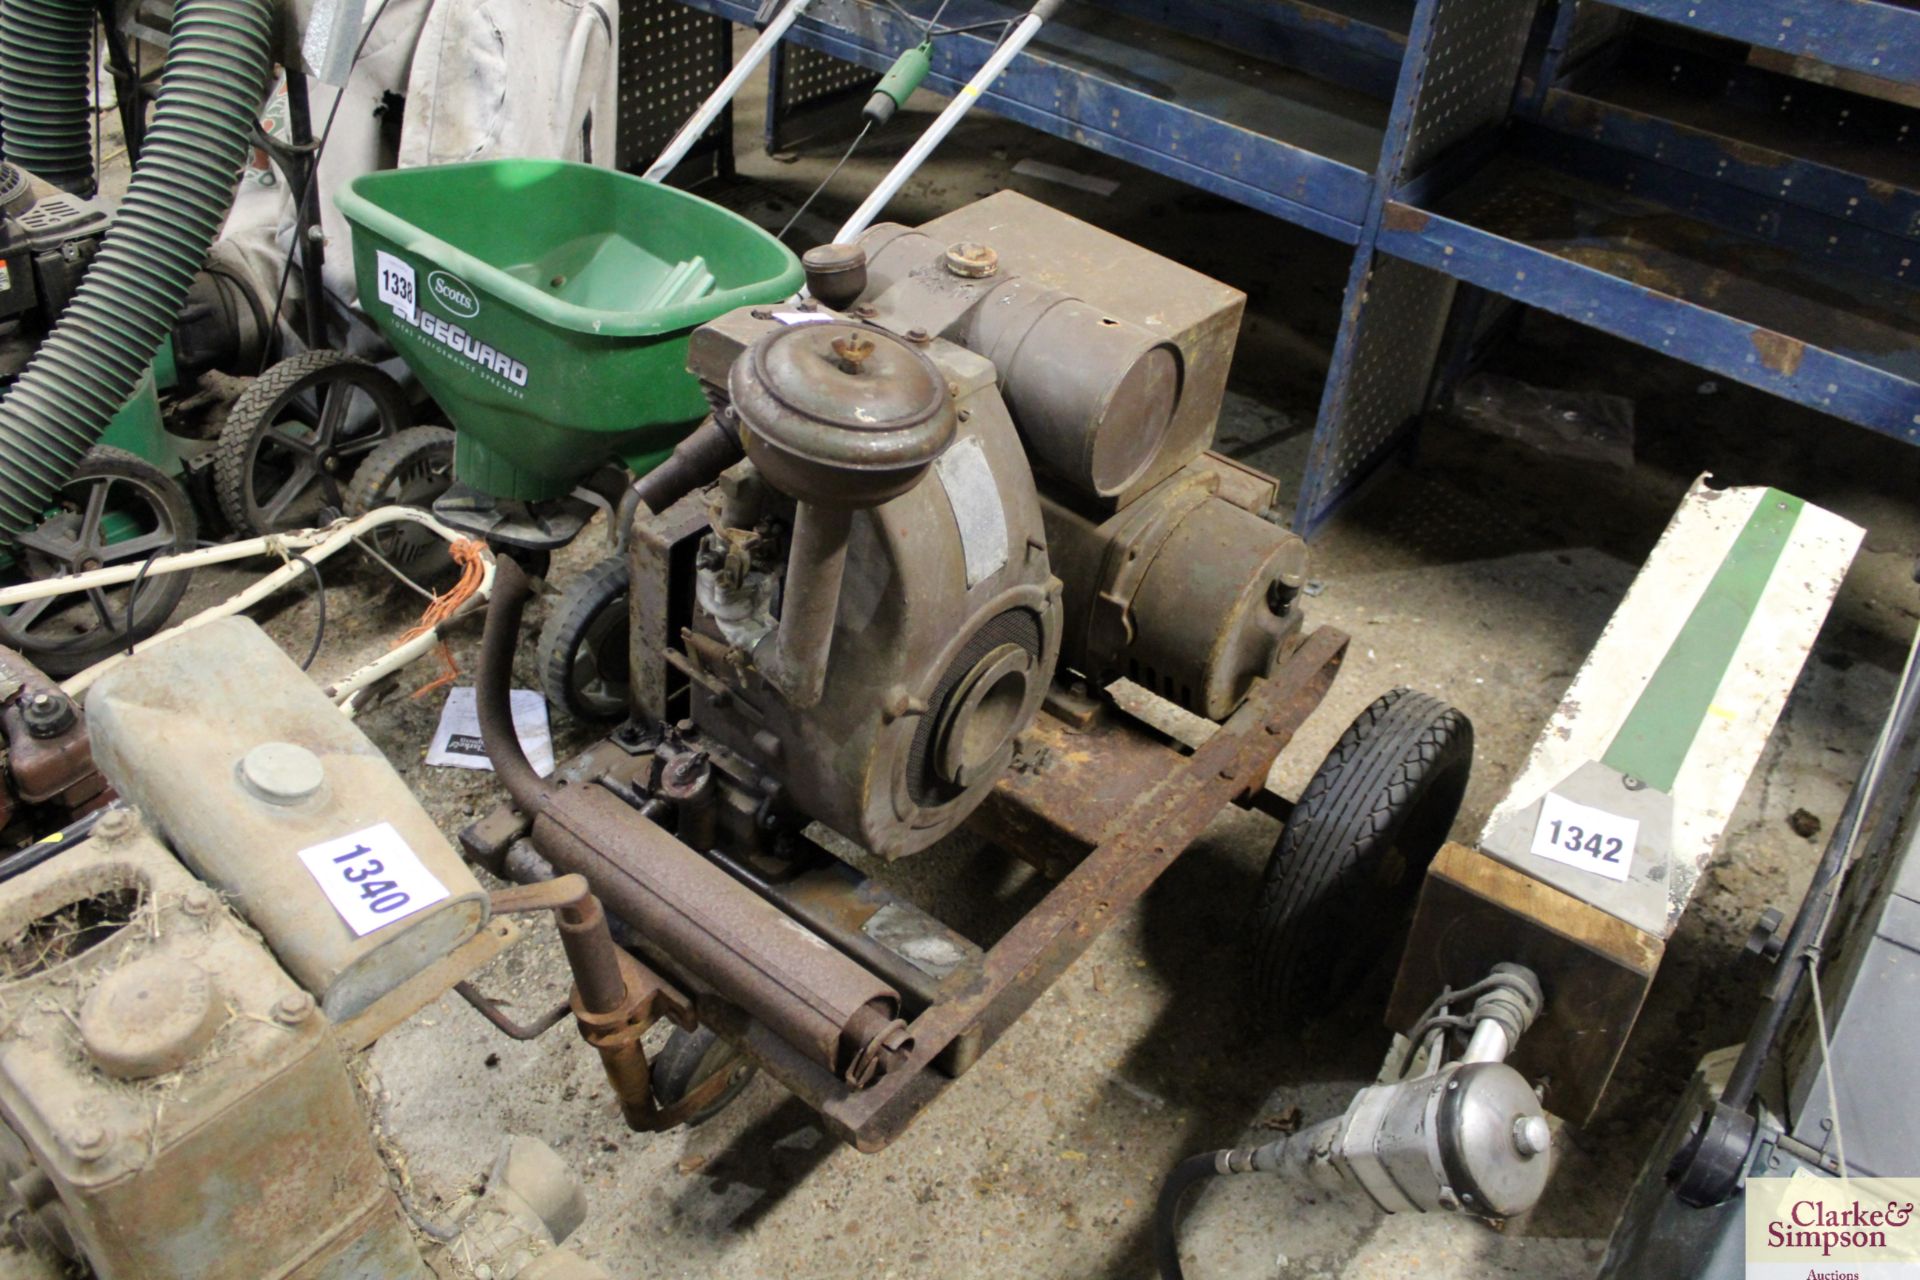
{"x": 812, "y": 76}
{"x": 1468, "y": 71}
{"x": 1387, "y": 347}
{"x": 671, "y": 57}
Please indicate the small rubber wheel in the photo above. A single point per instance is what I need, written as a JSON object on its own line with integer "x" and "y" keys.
{"x": 294, "y": 436}
{"x": 411, "y": 469}
{"x": 690, "y": 1059}
{"x": 584, "y": 664}
{"x": 117, "y": 509}
{"x": 1349, "y": 863}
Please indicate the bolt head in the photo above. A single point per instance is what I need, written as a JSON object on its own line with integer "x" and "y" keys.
{"x": 113, "y": 824}
{"x": 89, "y": 1139}
{"x": 1531, "y": 1136}
{"x": 48, "y": 715}
{"x": 198, "y": 901}
{"x": 971, "y": 260}
{"x": 293, "y": 1008}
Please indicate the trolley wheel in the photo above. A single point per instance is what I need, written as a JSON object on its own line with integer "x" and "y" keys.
{"x": 117, "y": 509}
{"x": 1348, "y": 866}
{"x": 584, "y": 664}
{"x": 410, "y": 469}
{"x": 690, "y": 1059}
{"x": 293, "y": 437}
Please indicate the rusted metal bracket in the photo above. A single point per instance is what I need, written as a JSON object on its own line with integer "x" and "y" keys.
{"x": 492, "y": 1012}
{"x": 615, "y": 999}
{"x": 1134, "y": 848}
{"x": 423, "y": 988}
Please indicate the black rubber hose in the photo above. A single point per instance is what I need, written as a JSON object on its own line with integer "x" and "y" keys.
{"x": 709, "y": 449}
{"x": 210, "y": 95}
{"x": 1166, "y": 1211}
{"x": 46, "y": 56}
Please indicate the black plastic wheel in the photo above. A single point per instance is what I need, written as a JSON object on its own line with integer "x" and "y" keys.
{"x": 294, "y": 436}
{"x": 584, "y": 664}
{"x": 691, "y": 1058}
{"x": 411, "y": 469}
{"x": 1348, "y": 866}
{"x": 117, "y": 509}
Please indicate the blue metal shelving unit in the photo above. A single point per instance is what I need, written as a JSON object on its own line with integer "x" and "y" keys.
{"x": 1253, "y": 122}
{"x": 1877, "y": 37}
{"x": 1647, "y": 178}
{"x": 1656, "y": 181}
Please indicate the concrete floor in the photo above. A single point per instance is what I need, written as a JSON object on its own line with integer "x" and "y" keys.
{"x": 1481, "y": 572}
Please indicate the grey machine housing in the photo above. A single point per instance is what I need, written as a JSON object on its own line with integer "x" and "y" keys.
{"x": 976, "y": 461}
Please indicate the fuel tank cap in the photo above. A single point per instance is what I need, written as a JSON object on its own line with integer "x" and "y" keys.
{"x": 841, "y": 414}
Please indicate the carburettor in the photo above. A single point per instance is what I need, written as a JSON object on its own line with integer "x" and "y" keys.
{"x": 975, "y": 460}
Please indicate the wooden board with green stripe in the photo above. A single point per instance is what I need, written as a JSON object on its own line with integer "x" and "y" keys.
{"x": 1677, "y": 699}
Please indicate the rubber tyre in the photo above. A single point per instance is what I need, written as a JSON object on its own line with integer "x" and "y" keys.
{"x": 158, "y": 597}
{"x": 266, "y": 401}
{"x": 1348, "y": 866}
{"x": 691, "y": 1057}
{"x": 414, "y": 467}
{"x": 583, "y": 646}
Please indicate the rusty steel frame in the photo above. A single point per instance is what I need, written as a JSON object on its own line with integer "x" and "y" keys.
{"x": 1138, "y": 846}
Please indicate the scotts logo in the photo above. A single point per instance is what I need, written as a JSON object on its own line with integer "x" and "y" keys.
{"x": 454, "y": 294}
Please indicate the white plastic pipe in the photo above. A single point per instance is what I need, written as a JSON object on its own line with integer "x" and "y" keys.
{"x": 696, "y": 127}
{"x": 331, "y": 537}
{"x": 314, "y": 544}
{"x": 936, "y": 133}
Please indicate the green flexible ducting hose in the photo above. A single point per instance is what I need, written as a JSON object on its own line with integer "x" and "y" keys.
{"x": 210, "y": 96}
{"x": 46, "y": 54}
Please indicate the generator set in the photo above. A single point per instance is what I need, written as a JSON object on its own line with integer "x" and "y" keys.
{"x": 944, "y": 500}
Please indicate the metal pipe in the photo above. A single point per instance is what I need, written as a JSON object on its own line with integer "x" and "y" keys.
{"x": 709, "y": 449}
{"x": 696, "y": 127}
{"x": 492, "y": 1012}
{"x": 1488, "y": 1044}
{"x": 493, "y": 685}
{"x": 305, "y": 169}
{"x": 936, "y": 133}
{"x": 795, "y": 656}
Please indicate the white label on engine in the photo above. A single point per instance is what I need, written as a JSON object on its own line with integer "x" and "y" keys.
{"x": 968, "y": 479}
{"x": 1585, "y": 837}
{"x": 372, "y": 877}
{"x": 395, "y": 281}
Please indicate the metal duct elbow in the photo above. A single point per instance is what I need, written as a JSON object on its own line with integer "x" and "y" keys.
{"x": 210, "y": 95}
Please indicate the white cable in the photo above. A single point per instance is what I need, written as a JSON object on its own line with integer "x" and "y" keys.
{"x": 317, "y": 544}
